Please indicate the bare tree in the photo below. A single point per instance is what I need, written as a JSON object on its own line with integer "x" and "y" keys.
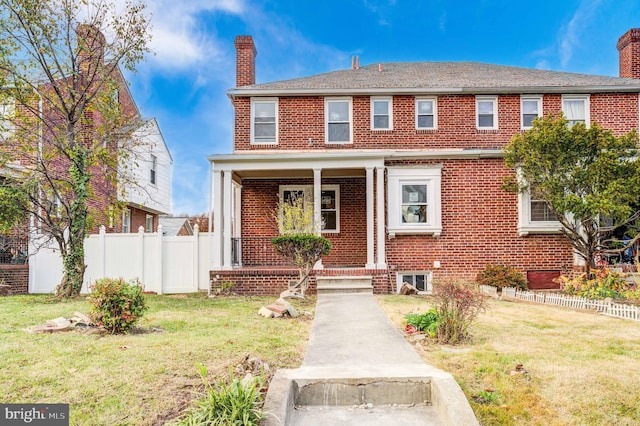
{"x": 66, "y": 132}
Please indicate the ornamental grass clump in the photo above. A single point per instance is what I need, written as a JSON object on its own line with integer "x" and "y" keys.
{"x": 457, "y": 305}
{"x": 117, "y": 305}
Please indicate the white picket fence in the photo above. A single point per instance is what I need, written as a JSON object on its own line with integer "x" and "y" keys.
{"x": 163, "y": 264}
{"x": 606, "y": 307}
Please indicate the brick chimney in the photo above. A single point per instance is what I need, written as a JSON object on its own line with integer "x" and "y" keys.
{"x": 91, "y": 44}
{"x": 245, "y": 61}
{"x": 629, "y": 49}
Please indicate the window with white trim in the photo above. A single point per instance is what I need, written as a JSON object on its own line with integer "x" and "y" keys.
{"x": 530, "y": 108}
{"x": 486, "y": 112}
{"x": 381, "y": 113}
{"x": 536, "y": 216}
{"x": 148, "y": 223}
{"x": 414, "y": 200}
{"x": 264, "y": 121}
{"x": 7, "y": 111}
{"x": 420, "y": 280}
{"x": 338, "y": 120}
{"x": 126, "y": 221}
{"x": 153, "y": 170}
{"x": 329, "y": 203}
{"x": 576, "y": 109}
{"x": 426, "y": 118}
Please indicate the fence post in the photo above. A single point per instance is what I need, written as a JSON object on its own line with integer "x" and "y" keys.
{"x": 160, "y": 261}
{"x": 141, "y": 255}
{"x": 196, "y": 256}
{"x": 102, "y": 244}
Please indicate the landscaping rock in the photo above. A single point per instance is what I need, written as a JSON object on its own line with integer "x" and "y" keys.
{"x": 79, "y": 317}
{"x": 277, "y": 309}
{"x": 292, "y": 311}
{"x": 267, "y": 313}
{"x": 59, "y": 323}
{"x": 408, "y": 289}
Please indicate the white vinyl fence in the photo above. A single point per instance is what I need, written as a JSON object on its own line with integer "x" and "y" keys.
{"x": 606, "y": 307}
{"x": 176, "y": 264}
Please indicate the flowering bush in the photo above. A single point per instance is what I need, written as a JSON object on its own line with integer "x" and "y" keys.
{"x": 457, "y": 306}
{"x": 601, "y": 284}
{"x": 502, "y": 276}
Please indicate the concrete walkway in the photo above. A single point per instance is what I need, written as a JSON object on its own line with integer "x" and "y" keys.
{"x": 355, "y": 353}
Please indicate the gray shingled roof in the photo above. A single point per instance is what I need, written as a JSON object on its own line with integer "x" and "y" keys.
{"x": 443, "y": 77}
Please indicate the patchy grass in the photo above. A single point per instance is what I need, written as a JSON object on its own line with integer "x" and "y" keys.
{"x": 146, "y": 377}
{"x": 578, "y": 368}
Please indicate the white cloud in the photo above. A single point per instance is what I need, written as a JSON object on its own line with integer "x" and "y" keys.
{"x": 572, "y": 33}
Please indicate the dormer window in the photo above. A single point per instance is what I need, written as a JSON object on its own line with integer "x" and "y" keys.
{"x": 264, "y": 121}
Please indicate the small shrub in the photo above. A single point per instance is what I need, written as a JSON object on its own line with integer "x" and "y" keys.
{"x": 427, "y": 322}
{"x": 227, "y": 402}
{"x": 117, "y": 305}
{"x": 632, "y": 295}
{"x": 502, "y": 276}
{"x": 603, "y": 283}
{"x": 457, "y": 306}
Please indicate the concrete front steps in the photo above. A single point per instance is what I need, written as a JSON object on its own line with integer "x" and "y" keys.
{"x": 344, "y": 284}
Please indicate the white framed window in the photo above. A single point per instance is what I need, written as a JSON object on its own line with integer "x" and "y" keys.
{"x": 338, "y": 117}
{"x": 126, "y": 221}
{"x": 264, "y": 120}
{"x": 382, "y": 113}
{"x": 148, "y": 224}
{"x": 486, "y": 112}
{"x": 422, "y": 280}
{"x": 530, "y": 109}
{"x": 414, "y": 199}
{"x": 329, "y": 203}
{"x": 576, "y": 109}
{"x": 154, "y": 170}
{"x": 7, "y": 112}
{"x": 426, "y": 113}
{"x": 535, "y": 216}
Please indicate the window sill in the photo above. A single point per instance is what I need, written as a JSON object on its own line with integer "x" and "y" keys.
{"x": 540, "y": 228}
{"x": 435, "y": 232}
{"x": 263, "y": 143}
{"x": 426, "y": 131}
{"x": 487, "y": 131}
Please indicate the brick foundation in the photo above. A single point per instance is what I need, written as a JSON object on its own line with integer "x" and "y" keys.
{"x": 16, "y": 277}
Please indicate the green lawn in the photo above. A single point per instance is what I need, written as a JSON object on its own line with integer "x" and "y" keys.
{"x": 146, "y": 377}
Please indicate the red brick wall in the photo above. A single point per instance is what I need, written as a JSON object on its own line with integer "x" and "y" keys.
{"x": 302, "y": 119}
{"x": 15, "y": 276}
{"x": 629, "y": 48}
{"x": 245, "y": 61}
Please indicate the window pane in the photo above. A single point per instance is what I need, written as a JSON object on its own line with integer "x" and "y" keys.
{"x": 421, "y": 283}
{"x": 265, "y": 131}
{"x": 541, "y": 212}
{"x": 292, "y": 195}
{"x": 329, "y": 220}
{"x": 485, "y": 120}
{"x": 425, "y": 121}
{"x": 485, "y": 107}
{"x": 425, "y": 107}
{"x": 381, "y": 107}
{"x": 265, "y": 109}
{"x": 414, "y": 214}
{"x": 328, "y": 200}
{"x": 381, "y": 122}
{"x": 527, "y": 119}
{"x": 338, "y": 132}
{"x": 530, "y": 107}
{"x": 414, "y": 194}
{"x": 408, "y": 279}
{"x": 339, "y": 111}
{"x": 574, "y": 109}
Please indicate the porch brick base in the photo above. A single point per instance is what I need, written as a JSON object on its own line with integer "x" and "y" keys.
{"x": 271, "y": 282}
{"x": 16, "y": 277}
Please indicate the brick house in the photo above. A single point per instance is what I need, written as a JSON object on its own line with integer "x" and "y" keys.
{"x": 403, "y": 165}
{"x": 149, "y": 166}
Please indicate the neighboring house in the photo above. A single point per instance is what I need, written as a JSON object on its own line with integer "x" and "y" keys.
{"x": 403, "y": 165}
{"x": 175, "y": 226}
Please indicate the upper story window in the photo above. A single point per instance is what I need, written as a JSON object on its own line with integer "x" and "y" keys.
{"x": 576, "y": 109}
{"x": 264, "y": 121}
{"x": 154, "y": 170}
{"x": 415, "y": 195}
{"x": 426, "y": 114}
{"x": 530, "y": 108}
{"x": 486, "y": 112}
{"x": 338, "y": 120}
{"x": 7, "y": 110}
{"x": 382, "y": 113}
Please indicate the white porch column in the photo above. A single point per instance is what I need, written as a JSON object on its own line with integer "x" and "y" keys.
{"x": 216, "y": 194}
{"x": 380, "y": 220}
{"x": 227, "y": 215}
{"x": 317, "y": 207}
{"x": 370, "y": 220}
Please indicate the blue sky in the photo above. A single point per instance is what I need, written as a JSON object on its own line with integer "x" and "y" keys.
{"x": 184, "y": 83}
